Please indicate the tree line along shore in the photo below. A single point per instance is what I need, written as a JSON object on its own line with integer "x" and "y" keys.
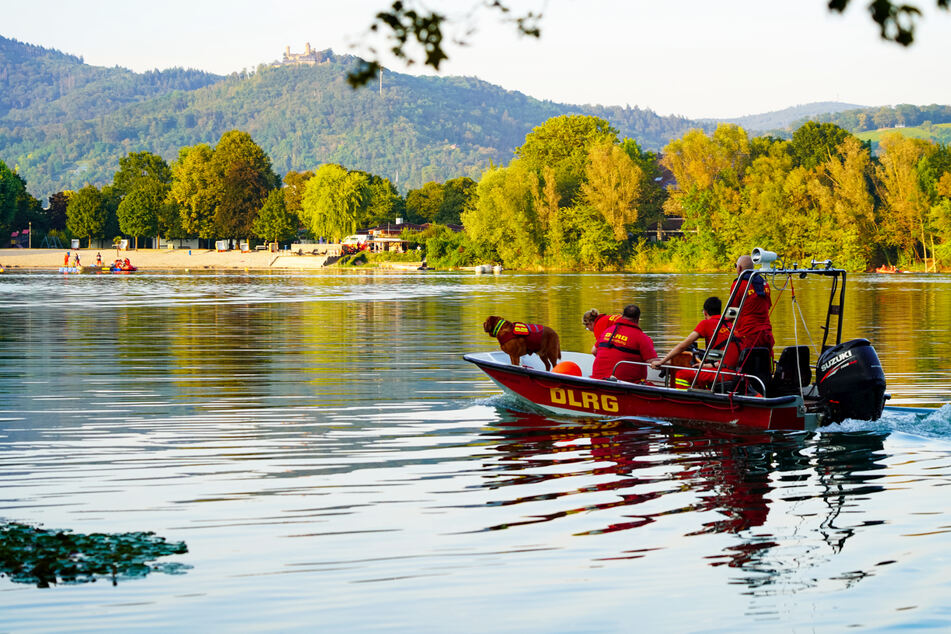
{"x": 575, "y": 196}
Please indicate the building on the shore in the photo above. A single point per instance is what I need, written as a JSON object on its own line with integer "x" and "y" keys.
{"x": 666, "y": 228}
{"x": 388, "y": 237}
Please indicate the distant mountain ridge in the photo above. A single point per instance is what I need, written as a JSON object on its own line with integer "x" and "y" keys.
{"x": 64, "y": 123}
{"x": 782, "y": 119}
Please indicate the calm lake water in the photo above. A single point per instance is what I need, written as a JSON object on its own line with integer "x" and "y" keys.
{"x": 333, "y": 464}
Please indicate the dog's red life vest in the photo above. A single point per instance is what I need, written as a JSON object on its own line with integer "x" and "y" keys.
{"x": 531, "y": 332}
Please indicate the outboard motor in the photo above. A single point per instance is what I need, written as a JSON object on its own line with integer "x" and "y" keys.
{"x": 851, "y": 381}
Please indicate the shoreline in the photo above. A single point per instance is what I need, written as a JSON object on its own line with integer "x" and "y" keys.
{"x": 209, "y": 259}
{"x": 162, "y": 259}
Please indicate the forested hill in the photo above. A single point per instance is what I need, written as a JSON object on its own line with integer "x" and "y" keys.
{"x": 41, "y": 86}
{"x": 64, "y": 123}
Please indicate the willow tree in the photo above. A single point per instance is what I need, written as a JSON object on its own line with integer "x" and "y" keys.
{"x": 333, "y": 200}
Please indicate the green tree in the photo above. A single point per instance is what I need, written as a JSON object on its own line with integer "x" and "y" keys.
{"x": 905, "y": 206}
{"x": 503, "y": 218}
{"x": 708, "y": 171}
{"x": 274, "y": 223}
{"x": 850, "y": 207}
{"x": 933, "y": 167}
{"x": 383, "y": 202}
{"x": 591, "y": 243}
{"x": 140, "y": 169}
{"x": 243, "y": 172}
{"x": 650, "y": 204}
{"x": 142, "y": 185}
{"x": 170, "y": 221}
{"x": 110, "y": 201}
{"x": 446, "y": 248}
{"x": 563, "y": 143}
{"x": 17, "y": 207}
{"x": 815, "y": 143}
{"x": 195, "y": 190}
{"x": 56, "y": 211}
{"x": 139, "y": 211}
{"x": 423, "y": 204}
{"x": 294, "y": 183}
{"x": 551, "y": 218}
{"x": 9, "y": 188}
{"x": 940, "y": 216}
{"x": 86, "y": 215}
{"x": 458, "y": 194}
{"x": 612, "y": 187}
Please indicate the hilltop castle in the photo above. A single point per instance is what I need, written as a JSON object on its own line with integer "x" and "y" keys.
{"x": 309, "y": 57}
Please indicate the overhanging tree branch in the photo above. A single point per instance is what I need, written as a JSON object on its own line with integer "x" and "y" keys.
{"x": 405, "y": 26}
{"x": 896, "y": 21}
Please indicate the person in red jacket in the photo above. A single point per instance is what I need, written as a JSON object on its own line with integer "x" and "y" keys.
{"x": 623, "y": 341}
{"x": 596, "y": 323}
{"x": 716, "y": 339}
{"x": 753, "y": 328}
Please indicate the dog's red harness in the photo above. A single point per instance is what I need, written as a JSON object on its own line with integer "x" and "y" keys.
{"x": 531, "y": 332}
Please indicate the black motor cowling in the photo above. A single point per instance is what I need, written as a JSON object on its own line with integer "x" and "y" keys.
{"x": 851, "y": 381}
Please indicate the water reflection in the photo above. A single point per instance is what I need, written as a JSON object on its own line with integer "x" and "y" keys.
{"x": 313, "y": 434}
{"x": 704, "y": 481}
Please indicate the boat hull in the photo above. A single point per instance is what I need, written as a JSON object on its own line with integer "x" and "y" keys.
{"x": 567, "y": 395}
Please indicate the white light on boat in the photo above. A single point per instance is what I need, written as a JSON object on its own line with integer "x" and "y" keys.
{"x": 763, "y": 257}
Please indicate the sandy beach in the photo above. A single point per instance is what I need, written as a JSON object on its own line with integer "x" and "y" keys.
{"x": 178, "y": 259}
{"x": 170, "y": 259}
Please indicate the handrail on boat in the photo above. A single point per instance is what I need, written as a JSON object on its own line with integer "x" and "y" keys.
{"x": 724, "y": 372}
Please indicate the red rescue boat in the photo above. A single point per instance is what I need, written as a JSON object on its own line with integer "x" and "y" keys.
{"x": 849, "y": 381}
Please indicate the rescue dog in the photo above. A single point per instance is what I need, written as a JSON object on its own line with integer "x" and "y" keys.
{"x": 517, "y": 339}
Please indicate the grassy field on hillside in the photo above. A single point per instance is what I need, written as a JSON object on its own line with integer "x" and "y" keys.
{"x": 940, "y": 133}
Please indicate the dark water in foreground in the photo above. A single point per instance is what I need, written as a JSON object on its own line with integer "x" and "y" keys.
{"x": 332, "y": 464}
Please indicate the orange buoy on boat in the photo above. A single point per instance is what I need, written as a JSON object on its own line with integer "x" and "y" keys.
{"x": 567, "y": 367}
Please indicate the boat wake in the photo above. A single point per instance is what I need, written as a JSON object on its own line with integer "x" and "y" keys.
{"x": 920, "y": 422}
{"x": 925, "y": 423}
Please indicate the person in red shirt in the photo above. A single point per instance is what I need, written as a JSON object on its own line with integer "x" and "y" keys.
{"x": 623, "y": 341}
{"x": 715, "y": 341}
{"x": 596, "y": 323}
{"x": 753, "y": 328}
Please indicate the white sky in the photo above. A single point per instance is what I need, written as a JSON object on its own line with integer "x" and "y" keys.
{"x": 697, "y": 58}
